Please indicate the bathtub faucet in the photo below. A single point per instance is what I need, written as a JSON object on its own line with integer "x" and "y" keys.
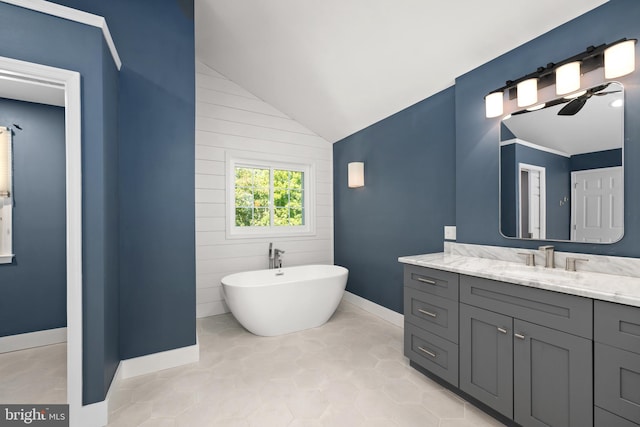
{"x": 275, "y": 259}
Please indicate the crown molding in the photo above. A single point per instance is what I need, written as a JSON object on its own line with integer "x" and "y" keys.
{"x": 71, "y": 14}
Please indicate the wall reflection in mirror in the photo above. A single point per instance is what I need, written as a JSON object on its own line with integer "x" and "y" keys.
{"x": 561, "y": 169}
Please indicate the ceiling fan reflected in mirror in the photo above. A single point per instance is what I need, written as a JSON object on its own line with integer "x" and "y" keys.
{"x": 576, "y": 104}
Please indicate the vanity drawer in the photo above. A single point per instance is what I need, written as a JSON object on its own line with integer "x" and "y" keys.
{"x": 602, "y": 418}
{"x": 433, "y": 353}
{"x": 436, "y": 282}
{"x": 432, "y": 313}
{"x": 567, "y": 313}
{"x": 617, "y": 325}
{"x": 617, "y": 381}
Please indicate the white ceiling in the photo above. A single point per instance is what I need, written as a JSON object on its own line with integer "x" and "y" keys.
{"x": 338, "y": 66}
{"x": 596, "y": 127}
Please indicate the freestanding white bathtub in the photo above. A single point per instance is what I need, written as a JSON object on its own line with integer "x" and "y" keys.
{"x": 281, "y": 301}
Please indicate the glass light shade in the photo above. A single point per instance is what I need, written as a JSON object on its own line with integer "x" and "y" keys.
{"x": 356, "y": 174}
{"x": 493, "y": 104}
{"x": 527, "y": 92}
{"x": 5, "y": 159}
{"x": 568, "y": 78}
{"x": 620, "y": 59}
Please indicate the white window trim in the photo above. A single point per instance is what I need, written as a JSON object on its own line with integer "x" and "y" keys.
{"x": 235, "y": 232}
{"x": 6, "y": 208}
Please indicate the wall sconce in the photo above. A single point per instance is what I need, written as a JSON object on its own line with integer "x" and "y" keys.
{"x": 356, "y": 174}
{"x": 617, "y": 58}
{"x": 5, "y": 162}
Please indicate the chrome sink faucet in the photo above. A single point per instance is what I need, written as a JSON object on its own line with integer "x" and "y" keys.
{"x": 549, "y": 259}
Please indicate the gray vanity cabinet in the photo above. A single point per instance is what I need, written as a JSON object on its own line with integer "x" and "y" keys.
{"x": 553, "y": 384}
{"x": 431, "y": 320}
{"x": 536, "y": 375}
{"x": 617, "y": 364}
{"x": 526, "y": 352}
{"x": 486, "y": 359}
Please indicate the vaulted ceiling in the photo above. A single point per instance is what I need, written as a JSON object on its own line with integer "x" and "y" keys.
{"x": 338, "y": 66}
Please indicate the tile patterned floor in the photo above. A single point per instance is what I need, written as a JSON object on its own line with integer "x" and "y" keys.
{"x": 36, "y": 375}
{"x": 349, "y": 372}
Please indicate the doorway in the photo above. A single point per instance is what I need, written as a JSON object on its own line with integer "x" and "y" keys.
{"x": 35, "y": 76}
{"x": 532, "y": 204}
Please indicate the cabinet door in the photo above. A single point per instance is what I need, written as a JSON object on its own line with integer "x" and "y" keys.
{"x": 553, "y": 377}
{"x": 486, "y": 359}
{"x": 617, "y": 382}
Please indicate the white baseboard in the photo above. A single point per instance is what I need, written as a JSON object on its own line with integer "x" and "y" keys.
{"x": 211, "y": 309}
{"x": 159, "y": 361}
{"x": 134, "y": 367}
{"x": 32, "y": 339}
{"x": 375, "y": 309}
{"x": 93, "y": 415}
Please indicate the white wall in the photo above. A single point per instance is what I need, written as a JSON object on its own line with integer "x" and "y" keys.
{"x": 230, "y": 118}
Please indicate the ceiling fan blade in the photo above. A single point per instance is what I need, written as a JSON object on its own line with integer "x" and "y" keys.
{"x": 573, "y": 107}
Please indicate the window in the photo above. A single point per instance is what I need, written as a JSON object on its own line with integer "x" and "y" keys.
{"x": 268, "y": 198}
{"x": 6, "y": 202}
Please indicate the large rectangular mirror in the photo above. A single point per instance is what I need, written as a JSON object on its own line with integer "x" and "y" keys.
{"x": 561, "y": 169}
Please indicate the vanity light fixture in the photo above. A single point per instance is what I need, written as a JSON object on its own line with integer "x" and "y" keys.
{"x": 620, "y": 59}
{"x": 568, "y": 78}
{"x": 536, "y": 107}
{"x": 5, "y": 162}
{"x": 527, "y": 92}
{"x": 356, "y": 174}
{"x": 493, "y": 104}
{"x": 575, "y": 94}
{"x": 617, "y": 58}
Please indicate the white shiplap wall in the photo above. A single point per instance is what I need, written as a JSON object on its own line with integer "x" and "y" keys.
{"x": 230, "y": 118}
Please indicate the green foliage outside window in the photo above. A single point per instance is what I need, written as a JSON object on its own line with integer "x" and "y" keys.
{"x": 252, "y": 195}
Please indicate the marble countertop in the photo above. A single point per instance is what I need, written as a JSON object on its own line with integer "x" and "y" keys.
{"x": 607, "y": 287}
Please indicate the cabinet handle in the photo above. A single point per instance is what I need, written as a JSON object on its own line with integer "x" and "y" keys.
{"x": 519, "y": 336}
{"x": 428, "y": 313}
{"x": 430, "y": 353}
{"x": 427, "y": 281}
{"x": 502, "y": 330}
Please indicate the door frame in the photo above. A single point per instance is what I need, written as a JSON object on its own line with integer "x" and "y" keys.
{"x": 543, "y": 198}
{"x": 69, "y": 81}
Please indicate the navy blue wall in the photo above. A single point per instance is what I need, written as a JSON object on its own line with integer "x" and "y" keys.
{"x": 36, "y": 37}
{"x": 407, "y": 199}
{"x": 508, "y": 190}
{"x": 34, "y": 287}
{"x": 597, "y": 160}
{"x": 477, "y": 150}
{"x": 156, "y": 136}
